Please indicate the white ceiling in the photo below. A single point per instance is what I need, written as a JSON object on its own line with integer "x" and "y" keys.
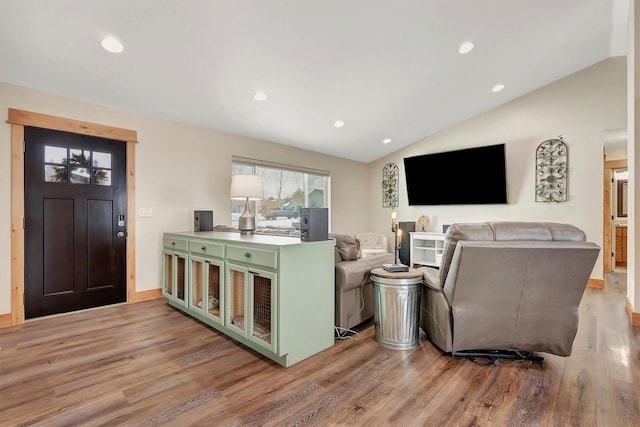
{"x": 387, "y": 68}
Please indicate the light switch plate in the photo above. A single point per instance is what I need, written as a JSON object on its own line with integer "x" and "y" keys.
{"x": 145, "y": 212}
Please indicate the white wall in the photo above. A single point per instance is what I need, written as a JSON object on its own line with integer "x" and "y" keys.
{"x": 580, "y": 107}
{"x": 179, "y": 169}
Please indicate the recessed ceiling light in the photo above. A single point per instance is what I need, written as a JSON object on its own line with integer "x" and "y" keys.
{"x": 260, "y": 96}
{"x": 497, "y": 88}
{"x": 465, "y": 47}
{"x": 338, "y": 124}
{"x": 112, "y": 44}
{"x": 386, "y": 140}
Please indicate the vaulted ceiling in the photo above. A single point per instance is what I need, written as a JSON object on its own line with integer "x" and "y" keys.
{"x": 384, "y": 68}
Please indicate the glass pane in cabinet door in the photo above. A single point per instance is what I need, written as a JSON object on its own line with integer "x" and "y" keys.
{"x": 236, "y": 299}
{"x": 197, "y": 279}
{"x": 262, "y": 308}
{"x": 213, "y": 286}
{"x": 180, "y": 281}
{"x": 168, "y": 274}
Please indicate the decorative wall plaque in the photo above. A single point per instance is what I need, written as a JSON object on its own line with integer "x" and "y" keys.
{"x": 390, "y": 186}
{"x": 551, "y": 171}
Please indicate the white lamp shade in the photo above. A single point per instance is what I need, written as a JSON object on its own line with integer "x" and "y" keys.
{"x": 246, "y": 186}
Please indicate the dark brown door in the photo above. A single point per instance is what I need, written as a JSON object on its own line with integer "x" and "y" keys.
{"x": 75, "y": 231}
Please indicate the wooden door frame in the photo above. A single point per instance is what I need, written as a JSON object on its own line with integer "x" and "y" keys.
{"x": 18, "y": 120}
{"x": 607, "y": 239}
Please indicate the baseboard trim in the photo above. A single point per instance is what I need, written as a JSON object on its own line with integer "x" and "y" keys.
{"x": 634, "y": 317}
{"x": 596, "y": 283}
{"x": 5, "y": 320}
{"x": 149, "y": 295}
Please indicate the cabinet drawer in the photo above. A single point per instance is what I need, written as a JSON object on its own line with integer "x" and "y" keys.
{"x": 253, "y": 256}
{"x": 175, "y": 243}
{"x": 206, "y": 248}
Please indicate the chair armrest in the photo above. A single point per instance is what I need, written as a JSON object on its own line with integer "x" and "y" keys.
{"x": 431, "y": 278}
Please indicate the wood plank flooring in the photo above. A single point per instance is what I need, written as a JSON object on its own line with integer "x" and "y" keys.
{"x": 147, "y": 364}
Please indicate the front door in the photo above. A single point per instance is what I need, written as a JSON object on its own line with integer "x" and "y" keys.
{"x": 75, "y": 212}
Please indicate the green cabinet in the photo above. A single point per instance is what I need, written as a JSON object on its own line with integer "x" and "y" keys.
{"x": 174, "y": 271}
{"x": 274, "y": 294}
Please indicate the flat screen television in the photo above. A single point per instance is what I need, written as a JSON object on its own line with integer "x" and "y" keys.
{"x": 472, "y": 176}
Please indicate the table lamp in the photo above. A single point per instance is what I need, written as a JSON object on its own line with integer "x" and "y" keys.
{"x": 247, "y": 188}
{"x": 397, "y": 243}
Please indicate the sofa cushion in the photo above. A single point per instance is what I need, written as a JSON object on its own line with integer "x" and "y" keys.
{"x": 516, "y": 230}
{"x": 355, "y": 273}
{"x": 565, "y": 232}
{"x": 346, "y": 245}
{"x": 461, "y": 231}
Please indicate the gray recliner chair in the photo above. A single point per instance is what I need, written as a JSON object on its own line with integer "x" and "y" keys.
{"x": 507, "y": 287}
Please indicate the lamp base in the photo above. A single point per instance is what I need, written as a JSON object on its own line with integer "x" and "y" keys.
{"x": 246, "y": 222}
{"x": 395, "y": 268}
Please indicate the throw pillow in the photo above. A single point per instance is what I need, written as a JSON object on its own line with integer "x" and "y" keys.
{"x": 346, "y": 246}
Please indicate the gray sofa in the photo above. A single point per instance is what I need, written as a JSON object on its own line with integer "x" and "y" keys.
{"x": 354, "y": 290}
{"x": 512, "y": 286}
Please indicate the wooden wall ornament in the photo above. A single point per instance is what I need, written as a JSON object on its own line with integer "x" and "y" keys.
{"x": 551, "y": 171}
{"x": 390, "y": 185}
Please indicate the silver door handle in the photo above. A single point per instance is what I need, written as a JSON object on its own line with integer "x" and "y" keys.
{"x": 120, "y": 234}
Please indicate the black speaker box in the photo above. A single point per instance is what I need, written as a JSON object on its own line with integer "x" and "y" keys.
{"x": 202, "y": 220}
{"x": 314, "y": 224}
{"x": 405, "y": 247}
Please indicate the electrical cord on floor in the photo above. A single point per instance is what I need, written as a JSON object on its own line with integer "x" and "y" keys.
{"x": 343, "y": 333}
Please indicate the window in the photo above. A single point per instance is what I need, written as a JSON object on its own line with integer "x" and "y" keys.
{"x": 286, "y": 190}
{"x": 76, "y": 166}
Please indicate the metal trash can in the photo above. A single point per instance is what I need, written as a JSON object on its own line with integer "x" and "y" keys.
{"x": 396, "y": 308}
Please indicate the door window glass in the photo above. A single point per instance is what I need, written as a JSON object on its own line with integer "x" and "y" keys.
{"x": 79, "y": 166}
{"x": 55, "y": 164}
{"x": 76, "y": 166}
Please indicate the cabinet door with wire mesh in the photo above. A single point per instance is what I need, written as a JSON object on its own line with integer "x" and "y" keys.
{"x": 214, "y": 290}
{"x": 204, "y": 289}
{"x": 236, "y": 301}
{"x": 262, "y": 328}
{"x": 250, "y": 309}
{"x": 174, "y": 276}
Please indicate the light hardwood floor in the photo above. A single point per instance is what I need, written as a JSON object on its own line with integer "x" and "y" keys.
{"x": 147, "y": 364}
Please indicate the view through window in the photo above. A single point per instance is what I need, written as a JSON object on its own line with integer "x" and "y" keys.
{"x": 286, "y": 190}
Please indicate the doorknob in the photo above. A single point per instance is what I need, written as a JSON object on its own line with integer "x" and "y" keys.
{"x": 120, "y": 234}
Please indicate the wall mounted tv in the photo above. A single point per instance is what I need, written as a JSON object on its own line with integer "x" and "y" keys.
{"x": 472, "y": 176}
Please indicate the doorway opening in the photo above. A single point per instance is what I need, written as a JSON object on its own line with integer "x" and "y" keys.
{"x": 615, "y": 221}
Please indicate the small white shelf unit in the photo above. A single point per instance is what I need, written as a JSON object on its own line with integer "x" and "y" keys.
{"x": 426, "y": 249}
